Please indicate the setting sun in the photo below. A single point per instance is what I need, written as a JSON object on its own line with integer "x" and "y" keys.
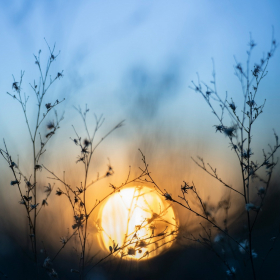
{"x": 137, "y": 223}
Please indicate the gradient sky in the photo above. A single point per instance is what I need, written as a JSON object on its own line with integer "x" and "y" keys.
{"x": 135, "y": 60}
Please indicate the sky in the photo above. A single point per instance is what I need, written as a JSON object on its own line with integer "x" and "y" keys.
{"x": 108, "y": 48}
{"x": 104, "y": 44}
{"x": 135, "y": 61}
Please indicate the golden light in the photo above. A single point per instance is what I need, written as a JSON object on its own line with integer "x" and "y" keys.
{"x": 137, "y": 223}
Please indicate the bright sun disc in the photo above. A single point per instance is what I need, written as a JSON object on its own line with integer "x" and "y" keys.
{"x": 138, "y": 223}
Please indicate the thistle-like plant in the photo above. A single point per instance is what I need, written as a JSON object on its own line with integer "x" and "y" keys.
{"x": 77, "y": 197}
{"x": 239, "y": 134}
{"x": 27, "y": 183}
{"x": 82, "y": 208}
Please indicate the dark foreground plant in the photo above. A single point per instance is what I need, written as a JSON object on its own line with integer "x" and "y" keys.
{"x": 27, "y": 184}
{"x": 82, "y": 208}
{"x": 239, "y": 134}
{"x": 33, "y": 200}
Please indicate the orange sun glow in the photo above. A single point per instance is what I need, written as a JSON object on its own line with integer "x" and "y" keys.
{"x": 137, "y": 223}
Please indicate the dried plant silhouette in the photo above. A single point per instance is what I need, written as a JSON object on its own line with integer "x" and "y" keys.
{"x": 82, "y": 209}
{"x": 77, "y": 197}
{"x": 222, "y": 242}
{"x": 27, "y": 184}
{"x": 151, "y": 234}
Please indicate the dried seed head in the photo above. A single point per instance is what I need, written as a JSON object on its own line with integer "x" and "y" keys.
{"x": 86, "y": 142}
{"x": 142, "y": 244}
{"x": 59, "y": 75}
{"x": 229, "y": 131}
{"x": 15, "y": 86}
{"x": 231, "y": 271}
{"x": 167, "y": 196}
{"x": 14, "y": 182}
{"x": 261, "y": 191}
{"x": 63, "y": 240}
{"x": 38, "y": 167}
{"x": 22, "y": 202}
{"x": 254, "y": 254}
{"x": 48, "y": 189}
{"x": 50, "y": 125}
{"x": 33, "y": 206}
{"x": 47, "y": 263}
{"x": 245, "y": 245}
{"x": 250, "y": 206}
{"x": 59, "y": 192}
{"x": 44, "y": 202}
{"x": 48, "y": 105}
{"x": 131, "y": 251}
{"x": 13, "y": 165}
{"x": 232, "y": 106}
{"x": 219, "y": 128}
{"x": 53, "y": 274}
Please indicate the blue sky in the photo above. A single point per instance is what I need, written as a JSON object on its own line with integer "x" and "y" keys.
{"x": 107, "y": 47}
